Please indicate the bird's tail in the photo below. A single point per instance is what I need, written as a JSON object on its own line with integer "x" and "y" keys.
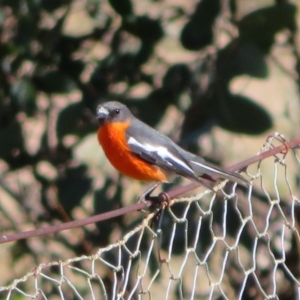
{"x": 212, "y": 172}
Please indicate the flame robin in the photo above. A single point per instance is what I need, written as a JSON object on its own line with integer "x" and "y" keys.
{"x": 140, "y": 152}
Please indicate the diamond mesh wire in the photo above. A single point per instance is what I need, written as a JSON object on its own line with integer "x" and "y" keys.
{"x": 236, "y": 243}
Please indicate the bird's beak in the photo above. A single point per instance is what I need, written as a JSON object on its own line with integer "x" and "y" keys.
{"x": 102, "y": 113}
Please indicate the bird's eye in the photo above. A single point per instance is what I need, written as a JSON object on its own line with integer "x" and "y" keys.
{"x": 117, "y": 111}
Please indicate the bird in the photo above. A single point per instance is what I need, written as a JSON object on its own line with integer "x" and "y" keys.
{"x": 140, "y": 152}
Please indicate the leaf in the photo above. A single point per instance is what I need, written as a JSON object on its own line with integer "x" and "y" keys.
{"x": 14, "y": 4}
{"x": 177, "y": 79}
{"x": 6, "y": 49}
{"x": 2, "y": 18}
{"x": 198, "y": 31}
{"x": 26, "y": 30}
{"x": 11, "y": 142}
{"x": 23, "y": 96}
{"x": 241, "y": 58}
{"x": 242, "y": 115}
{"x": 232, "y": 112}
{"x": 122, "y": 7}
{"x": 260, "y": 26}
{"x": 18, "y": 249}
{"x": 71, "y": 121}
{"x": 157, "y": 101}
{"x": 144, "y": 28}
{"x": 198, "y": 118}
{"x": 72, "y": 186}
{"x": 93, "y": 7}
{"x": 54, "y": 82}
{"x": 51, "y": 5}
{"x": 233, "y": 6}
{"x": 196, "y": 36}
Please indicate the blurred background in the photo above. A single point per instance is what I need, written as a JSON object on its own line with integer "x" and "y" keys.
{"x": 216, "y": 76}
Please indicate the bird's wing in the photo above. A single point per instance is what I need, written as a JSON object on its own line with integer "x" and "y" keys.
{"x": 157, "y": 149}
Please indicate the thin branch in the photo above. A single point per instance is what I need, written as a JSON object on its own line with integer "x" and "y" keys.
{"x": 143, "y": 205}
{"x": 73, "y": 224}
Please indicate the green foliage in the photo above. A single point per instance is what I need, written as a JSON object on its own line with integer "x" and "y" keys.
{"x": 122, "y": 7}
{"x": 54, "y": 82}
{"x": 12, "y": 144}
{"x": 72, "y": 186}
{"x": 198, "y": 31}
{"x": 23, "y": 96}
{"x": 241, "y": 59}
{"x": 259, "y": 27}
{"x": 72, "y": 122}
{"x": 240, "y": 114}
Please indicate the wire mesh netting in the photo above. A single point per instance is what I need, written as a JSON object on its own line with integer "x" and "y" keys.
{"x": 235, "y": 243}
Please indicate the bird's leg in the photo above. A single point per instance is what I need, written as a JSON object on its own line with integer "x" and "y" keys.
{"x": 146, "y": 195}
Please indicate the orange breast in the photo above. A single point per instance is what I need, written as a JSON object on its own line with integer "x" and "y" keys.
{"x": 113, "y": 141}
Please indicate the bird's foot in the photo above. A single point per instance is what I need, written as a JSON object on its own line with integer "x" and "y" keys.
{"x": 146, "y": 196}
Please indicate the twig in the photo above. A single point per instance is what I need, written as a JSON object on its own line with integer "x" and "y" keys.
{"x": 73, "y": 224}
{"x": 143, "y": 205}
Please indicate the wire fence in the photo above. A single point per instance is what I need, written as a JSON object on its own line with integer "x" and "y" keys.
{"x": 235, "y": 243}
